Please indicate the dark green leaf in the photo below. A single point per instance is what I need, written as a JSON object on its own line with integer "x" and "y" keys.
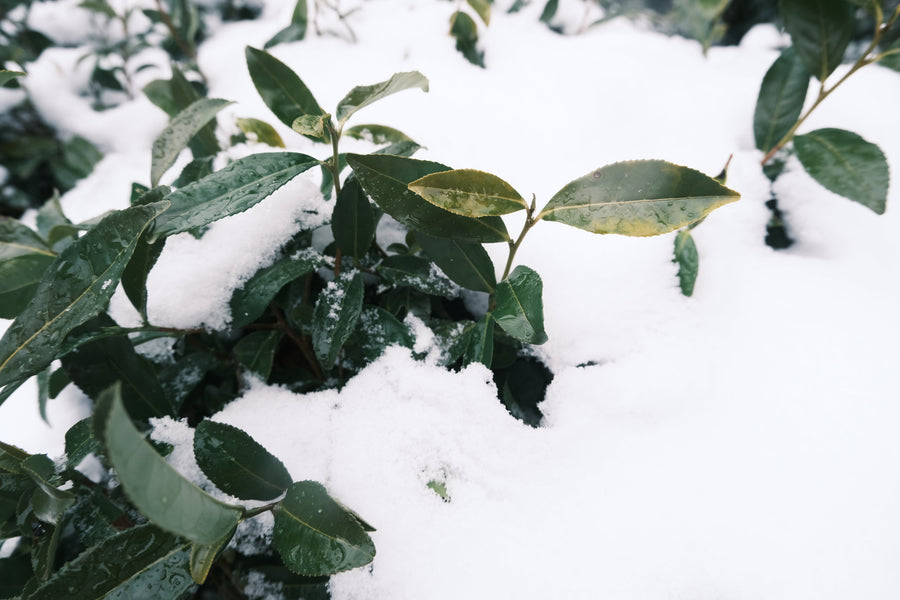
{"x": 80, "y": 442}
{"x": 780, "y": 100}
{"x": 251, "y": 300}
{"x": 378, "y": 329}
{"x": 469, "y": 193}
{"x": 353, "y": 220}
{"x": 480, "y": 344}
{"x": 296, "y": 31}
{"x": 280, "y": 88}
{"x": 51, "y": 215}
{"x": 161, "y": 493}
{"x": 688, "y": 261}
{"x": 452, "y": 338}
{"x": 549, "y": 11}
{"x": 24, "y": 258}
{"x": 638, "y": 198}
{"x": 261, "y": 132}
{"x": 134, "y": 277}
{"x": 466, "y": 263}
{"x": 48, "y": 502}
{"x": 43, "y": 551}
{"x": 234, "y": 189}
{"x": 519, "y": 308}
{"x": 385, "y": 179}
{"x": 334, "y": 318}
{"x": 820, "y": 30}
{"x": 377, "y": 134}
{"x": 183, "y": 93}
{"x": 237, "y": 463}
{"x": 290, "y": 585}
{"x": 364, "y": 95}
{"x": 179, "y": 132}
{"x": 76, "y": 286}
{"x": 143, "y": 563}
{"x": 256, "y": 352}
{"x": 890, "y": 58}
{"x": 464, "y": 29}
{"x": 95, "y": 518}
{"x": 96, "y": 365}
{"x": 405, "y": 148}
{"x": 11, "y": 458}
{"x": 7, "y": 76}
{"x": 15, "y": 572}
{"x": 846, "y": 164}
{"x": 204, "y": 555}
{"x": 416, "y": 272}
{"x": 43, "y": 381}
{"x": 315, "y": 535}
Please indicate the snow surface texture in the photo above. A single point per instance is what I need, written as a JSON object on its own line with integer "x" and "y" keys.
{"x": 739, "y": 444}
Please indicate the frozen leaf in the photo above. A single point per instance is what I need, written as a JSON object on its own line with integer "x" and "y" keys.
{"x": 480, "y": 342}
{"x": 519, "y": 306}
{"x": 416, "y": 272}
{"x": 466, "y": 263}
{"x": 256, "y": 352}
{"x": 334, "y": 317}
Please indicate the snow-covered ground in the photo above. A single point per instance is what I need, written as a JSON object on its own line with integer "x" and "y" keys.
{"x": 740, "y": 444}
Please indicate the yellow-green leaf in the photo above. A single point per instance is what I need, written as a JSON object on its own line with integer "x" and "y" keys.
{"x": 469, "y": 193}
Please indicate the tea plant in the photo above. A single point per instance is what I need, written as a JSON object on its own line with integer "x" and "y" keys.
{"x": 310, "y": 320}
{"x": 465, "y": 30}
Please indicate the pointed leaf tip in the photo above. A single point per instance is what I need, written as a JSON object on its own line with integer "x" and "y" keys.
{"x": 469, "y": 193}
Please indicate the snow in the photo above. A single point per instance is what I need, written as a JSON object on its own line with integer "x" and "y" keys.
{"x": 737, "y": 444}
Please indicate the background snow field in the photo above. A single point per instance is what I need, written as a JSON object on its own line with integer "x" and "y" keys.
{"x": 740, "y": 444}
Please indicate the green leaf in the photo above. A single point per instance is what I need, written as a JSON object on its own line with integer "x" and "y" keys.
{"x": 48, "y": 502}
{"x": 688, "y": 261}
{"x": 181, "y": 94}
{"x": 179, "y": 132}
{"x": 315, "y": 535}
{"x": 7, "y": 76}
{"x": 261, "y": 131}
{"x": 280, "y": 88}
{"x": 466, "y": 263}
{"x": 335, "y": 315}
{"x": 140, "y": 563}
{"x": 417, "y": 273}
{"x": 234, "y": 189}
{"x": 161, "y": 493}
{"x": 549, "y": 11}
{"x": 11, "y": 458}
{"x": 378, "y": 329}
{"x": 820, "y": 30}
{"x": 251, "y": 300}
{"x": 638, "y": 198}
{"x": 80, "y": 442}
{"x": 483, "y": 8}
{"x": 77, "y": 285}
{"x": 296, "y": 31}
{"x": 385, "y": 179}
{"x": 469, "y": 193}
{"x": 134, "y": 277}
{"x": 43, "y": 550}
{"x": 204, "y": 555}
{"x": 846, "y": 164}
{"x": 780, "y": 100}
{"x": 98, "y": 364}
{"x": 405, "y": 148}
{"x": 24, "y": 257}
{"x": 312, "y": 126}
{"x": 100, "y": 7}
{"x": 237, "y": 463}
{"x": 353, "y": 220}
{"x": 256, "y": 352}
{"x": 377, "y": 134}
{"x": 50, "y": 217}
{"x": 364, "y": 95}
{"x": 464, "y": 29}
{"x": 890, "y": 57}
{"x": 519, "y": 308}
{"x": 480, "y": 344}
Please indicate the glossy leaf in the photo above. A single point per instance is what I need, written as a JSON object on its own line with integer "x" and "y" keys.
{"x": 134, "y": 277}
{"x": 312, "y": 126}
{"x": 80, "y": 442}
{"x": 377, "y": 134}
{"x": 480, "y": 342}
{"x": 466, "y": 263}
{"x": 24, "y": 257}
{"x": 280, "y": 88}
{"x": 377, "y": 329}
{"x": 11, "y": 458}
{"x": 353, "y": 220}
{"x": 483, "y": 8}
{"x": 385, "y": 179}
{"x": 688, "y": 261}
{"x": 637, "y": 198}
{"x": 846, "y": 164}
{"x": 160, "y": 492}
{"x": 256, "y": 352}
{"x": 364, "y": 95}
{"x": 261, "y": 131}
{"x": 469, "y": 193}
{"x": 404, "y": 148}
{"x": 48, "y": 501}
{"x": 296, "y": 31}
{"x": 98, "y": 364}
{"x": 141, "y": 563}
{"x": 417, "y": 273}
{"x": 234, "y": 189}
{"x": 237, "y": 463}
{"x": 183, "y": 93}
{"x": 820, "y": 31}
{"x": 179, "y": 132}
{"x": 204, "y": 555}
{"x": 335, "y": 315}
{"x": 315, "y": 535}
{"x": 51, "y": 215}
{"x": 77, "y": 285}
{"x": 251, "y": 300}
{"x": 780, "y": 100}
{"x": 519, "y": 306}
